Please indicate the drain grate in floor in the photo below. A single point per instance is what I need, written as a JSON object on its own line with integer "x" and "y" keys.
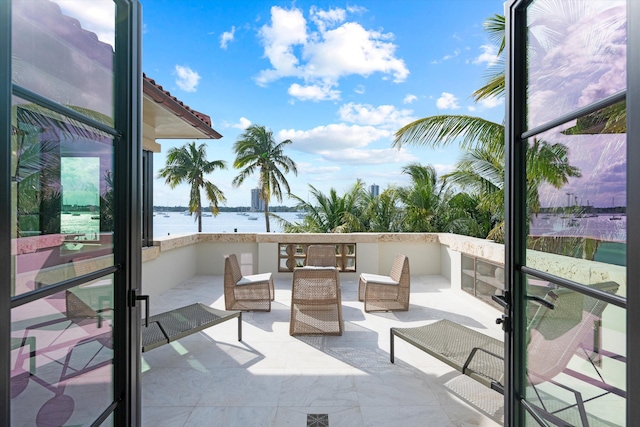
{"x": 317, "y": 420}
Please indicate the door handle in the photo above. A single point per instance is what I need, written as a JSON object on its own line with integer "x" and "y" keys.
{"x": 145, "y": 298}
{"x": 501, "y": 299}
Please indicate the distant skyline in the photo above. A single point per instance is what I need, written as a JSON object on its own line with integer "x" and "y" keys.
{"x": 336, "y": 78}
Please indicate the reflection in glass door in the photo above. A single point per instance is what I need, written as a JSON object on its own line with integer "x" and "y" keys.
{"x": 568, "y": 237}
{"x": 72, "y": 353}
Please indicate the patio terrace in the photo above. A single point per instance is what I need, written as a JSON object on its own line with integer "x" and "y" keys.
{"x": 273, "y": 379}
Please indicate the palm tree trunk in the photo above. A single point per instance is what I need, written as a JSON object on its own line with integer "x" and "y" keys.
{"x": 266, "y": 214}
{"x": 199, "y": 213}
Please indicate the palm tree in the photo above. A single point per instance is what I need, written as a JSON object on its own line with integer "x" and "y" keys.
{"x": 189, "y": 164}
{"x": 331, "y": 213}
{"x": 257, "y": 151}
{"x": 421, "y": 199}
{"x": 382, "y": 213}
{"x": 494, "y": 85}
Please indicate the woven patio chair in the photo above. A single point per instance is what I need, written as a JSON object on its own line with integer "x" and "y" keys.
{"x": 563, "y": 327}
{"x": 386, "y": 293}
{"x": 316, "y": 302}
{"x": 246, "y": 293}
{"x": 321, "y": 256}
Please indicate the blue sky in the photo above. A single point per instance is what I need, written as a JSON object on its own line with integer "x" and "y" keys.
{"x": 336, "y": 78}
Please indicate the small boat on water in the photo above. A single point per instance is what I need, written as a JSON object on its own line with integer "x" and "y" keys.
{"x": 95, "y": 216}
{"x": 207, "y": 214}
{"x": 75, "y": 214}
{"x": 615, "y": 218}
{"x": 252, "y": 218}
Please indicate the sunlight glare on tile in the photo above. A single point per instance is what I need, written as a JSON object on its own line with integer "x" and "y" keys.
{"x": 144, "y": 366}
{"x": 179, "y": 348}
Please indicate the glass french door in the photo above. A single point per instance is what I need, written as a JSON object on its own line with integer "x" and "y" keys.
{"x": 567, "y": 241}
{"x": 69, "y": 213}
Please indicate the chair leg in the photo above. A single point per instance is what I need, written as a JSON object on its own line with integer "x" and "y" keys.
{"x": 392, "y": 349}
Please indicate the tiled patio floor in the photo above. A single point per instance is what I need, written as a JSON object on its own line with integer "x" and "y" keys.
{"x": 273, "y": 379}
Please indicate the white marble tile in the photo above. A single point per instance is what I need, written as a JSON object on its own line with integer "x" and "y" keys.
{"x": 240, "y": 387}
{"x": 393, "y": 387}
{"x": 271, "y": 378}
{"x": 312, "y": 388}
{"x": 171, "y": 387}
{"x": 406, "y": 416}
{"x": 338, "y": 416}
{"x": 165, "y": 416}
{"x": 207, "y": 416}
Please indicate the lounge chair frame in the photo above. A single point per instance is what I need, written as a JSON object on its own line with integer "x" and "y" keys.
{"x": 482, "y": 357}
{"x": 172, "y": 325}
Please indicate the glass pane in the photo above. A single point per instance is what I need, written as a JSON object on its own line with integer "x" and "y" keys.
{"x": 578, "y": 228}
{"x": 62, "y": 357}
{"x": 62, "y": 197}
{"x": 64, "y": 51}
{"x": 576, "y": 55}
{"x": 576, "y": 355}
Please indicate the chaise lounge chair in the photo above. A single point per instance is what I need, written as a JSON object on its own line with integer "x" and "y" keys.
{"x": 560, "y": 329}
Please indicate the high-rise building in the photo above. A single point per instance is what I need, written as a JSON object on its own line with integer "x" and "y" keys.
{"x": 374, "y": 190}
{"x": 257, "y": 204}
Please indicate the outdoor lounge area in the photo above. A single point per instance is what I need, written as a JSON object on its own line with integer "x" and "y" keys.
{"x": 273, "y": 379}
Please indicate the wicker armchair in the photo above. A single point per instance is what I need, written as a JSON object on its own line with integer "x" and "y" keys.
{"x": 321, "y": 256}
{"x": 316, "y": 302}
{"x": 247, "y": 293}
{"x": 386, "y": 293}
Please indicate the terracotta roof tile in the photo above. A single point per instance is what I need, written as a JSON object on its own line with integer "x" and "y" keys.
{"x": 195, "y": 118}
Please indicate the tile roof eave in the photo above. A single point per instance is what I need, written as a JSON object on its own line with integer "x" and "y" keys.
{"x": 195, "y": 118}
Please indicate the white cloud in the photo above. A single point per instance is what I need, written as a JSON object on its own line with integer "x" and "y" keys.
{"x": 442, "y": 169}
{"x": 488, "y": 55}
{"x": 288, "y": 28}
{"x": 447, "y": 101}
{"x": 243, "y": 123}
{"x": 491, "y": 102}
{"x": 447, "y": 57}
{"x": 337, "y": 49}
{"x": 187, "y": 79}
{"x": 385, "y": 116}
{"x": 370, "y": 156}
{"x": 360, "y": 89}
{"x": 409, "y": 99}
{"x": 472, "y": 108}
{"x": 313, "y": 169}
{"x": 227, "y": 37}
{"x": 327, "y": 18}
{"x": 313, "y": 92}
{"x": 333, "y": 137}
{"x": 97, "y": 17}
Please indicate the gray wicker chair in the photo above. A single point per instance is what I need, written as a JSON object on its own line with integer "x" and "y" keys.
{"x": 247, "y": 293}
{"x": 316, "y": 302}
{"x": 321, "y": 256}
{"x": 386, "y": 293}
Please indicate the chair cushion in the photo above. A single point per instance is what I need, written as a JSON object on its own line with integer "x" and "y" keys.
{"x": 254, "y": 278}
{"x": 378, "y": 279}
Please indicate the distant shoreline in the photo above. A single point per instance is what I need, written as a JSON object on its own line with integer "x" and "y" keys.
{"x": 224, "y": 209}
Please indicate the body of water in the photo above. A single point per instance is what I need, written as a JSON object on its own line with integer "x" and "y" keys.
{"x": 170, "y": 223}
{"x": 610, "y": 228}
